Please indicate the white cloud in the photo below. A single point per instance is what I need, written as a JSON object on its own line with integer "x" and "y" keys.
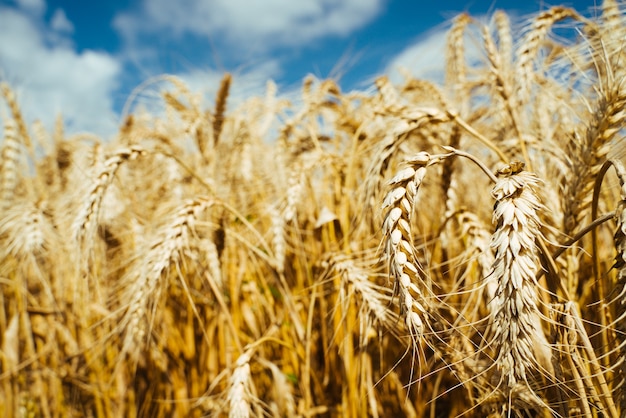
{"x": 36, "y": 7}
{"x": 251, "y": 24}
{"x": 246, "y": 34}
{"x": 426, "y": 57}
{"x": 60, "y": 23}
{"x": 50, "y": 77}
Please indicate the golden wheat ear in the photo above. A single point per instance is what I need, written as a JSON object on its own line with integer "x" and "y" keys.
{"x": 515, "y": 324}
{"x": 617, "y": 347}
{"x": 220, "y": 107}
{"x": 10, "y": 162}
{"x": 403, "y": 264}
{"x": 87, "y": 218}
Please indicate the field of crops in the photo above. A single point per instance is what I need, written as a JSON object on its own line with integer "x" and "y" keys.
{"x": 415, "y": 250}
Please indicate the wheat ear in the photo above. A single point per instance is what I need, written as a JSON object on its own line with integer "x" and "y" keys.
{"x": 240, "y": 393}
{"x": 11, "y": 101}
{"x": 10, "y": 161}
{"x": 165, "y": 248}
{"x": 27, "y": 231}
{"x": 220, "y": 107}
{"x": 86, "y": 220}
{"x": 589, "y": 153}
{"x": 375, "y": 299}
{"x": 531, "y": 44}
{"x": 620, "y": 266}
{"x": 403, "y": 263}
{"x": 514, "y": 310}
{"x": 456, "y": 67}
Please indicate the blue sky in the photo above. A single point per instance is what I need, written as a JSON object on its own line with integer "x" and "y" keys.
{"x": 83, "y": 58}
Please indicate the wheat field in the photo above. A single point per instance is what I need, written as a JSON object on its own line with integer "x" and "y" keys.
{"x": 413, "y": 250}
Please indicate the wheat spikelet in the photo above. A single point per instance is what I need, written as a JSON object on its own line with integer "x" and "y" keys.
{"x": 295, "y": 188}
{"x": 41, "y": 135}
{"x": 406, "y": 119}
{"x": 213, "y": 259}
{"x": 502, "y": 83}
{"x": 514, "y": 311}
{"x": 245, "y": 163}
{"x": 496, "y": 66}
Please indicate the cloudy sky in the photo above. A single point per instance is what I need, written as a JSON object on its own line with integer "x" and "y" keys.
{"x": 83, "y": 58}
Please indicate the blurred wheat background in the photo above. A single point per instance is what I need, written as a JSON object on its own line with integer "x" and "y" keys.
{"x": 415, "y": 250}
